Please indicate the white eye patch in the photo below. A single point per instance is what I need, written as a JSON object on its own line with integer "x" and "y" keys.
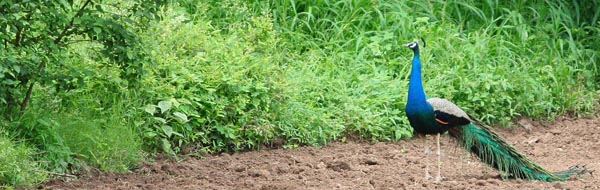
{"x": 412, "y": 45}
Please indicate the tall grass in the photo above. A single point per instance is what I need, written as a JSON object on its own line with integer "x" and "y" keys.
{"x": 92, "y": 131}
{"x": 496, "y": 59}
{"x": 17, "y": 166}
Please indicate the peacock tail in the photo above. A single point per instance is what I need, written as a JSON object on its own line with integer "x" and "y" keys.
{"x": 482, "y": 141}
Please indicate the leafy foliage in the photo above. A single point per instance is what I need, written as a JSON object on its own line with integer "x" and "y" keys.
{"x": 36, "y": 35}
{"x": 212, "y": 89}
{"x": 42, "y": 44}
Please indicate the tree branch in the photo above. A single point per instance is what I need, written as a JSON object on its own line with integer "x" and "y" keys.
{"x": 56, "y": 41}
{"x": 21, "y": 30}
{"x": 78, "y": 14}
{"x": 27, "y": 97}
{"x": 18, "y": 36}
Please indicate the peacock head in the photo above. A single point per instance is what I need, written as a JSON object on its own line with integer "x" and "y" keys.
{"x": 412, "y": 45}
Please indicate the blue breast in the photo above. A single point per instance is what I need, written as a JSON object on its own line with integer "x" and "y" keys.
{"x": 422, "y": 119}
{"x": 419, "y": 112}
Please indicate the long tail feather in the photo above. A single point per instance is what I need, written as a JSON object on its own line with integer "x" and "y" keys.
{"x": 481, "y": 140}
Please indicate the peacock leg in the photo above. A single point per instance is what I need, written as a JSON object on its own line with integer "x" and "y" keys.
{"x": 427, "y": 176}
{"x": 439, "y": 158}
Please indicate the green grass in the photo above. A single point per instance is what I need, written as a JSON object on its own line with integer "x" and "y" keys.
{"x": 235, "y": 75}
{"x": 485, "y": 56}
{"x": 17, "y": 167}
{"x": 106, "y": 144}
{"x": 91, "y": 135}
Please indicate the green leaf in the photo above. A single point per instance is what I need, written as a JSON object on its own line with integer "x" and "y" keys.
{"x": 44, "y": 122}
{"x": 164, "y": 106}
{"x": 168, "y": 130}
{"x": 160, "y": 120}
{"x": 181, "y": 117}
{"x": 77, "y": 20}
{"x": 64, "y": 4}
{"x": 423, "y": 19}
{"x": 17, "y": 68}
{"x": 151, "y": 109}
{"x": 98, "y": 30}
{"x": 10, "y": 82}
{"x": 166, "y": 146}
{"x": 150, "y": 134}
{"x": 138, "y": 123}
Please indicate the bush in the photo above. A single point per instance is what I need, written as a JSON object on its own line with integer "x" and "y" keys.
{"x": 218, "y": 90}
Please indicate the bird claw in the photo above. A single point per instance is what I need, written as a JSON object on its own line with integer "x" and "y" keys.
{"x": 439, "y": 178}
{"x": 428, "y": 177}
{"x": 436, "y": 179}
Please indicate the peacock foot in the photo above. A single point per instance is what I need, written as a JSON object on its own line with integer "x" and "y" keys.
{"x": 439, "y": 178}
{"x": 428, "y": 177}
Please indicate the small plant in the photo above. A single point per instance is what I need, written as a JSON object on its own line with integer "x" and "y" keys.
{"x": 165, "y": 119}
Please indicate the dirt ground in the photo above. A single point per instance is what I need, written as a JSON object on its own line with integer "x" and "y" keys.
{"x": 362, "y": 165}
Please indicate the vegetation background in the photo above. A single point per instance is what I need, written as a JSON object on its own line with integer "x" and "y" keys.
{"x": 104, "y": 84}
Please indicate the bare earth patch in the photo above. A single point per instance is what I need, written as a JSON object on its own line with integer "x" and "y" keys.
{"x": 353, "y": 165}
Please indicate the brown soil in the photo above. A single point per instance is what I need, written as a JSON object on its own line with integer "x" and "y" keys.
{"x": 358, "y": 165}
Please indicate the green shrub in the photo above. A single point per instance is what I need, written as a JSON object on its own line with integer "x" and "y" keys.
{"x": 215, "y": 89}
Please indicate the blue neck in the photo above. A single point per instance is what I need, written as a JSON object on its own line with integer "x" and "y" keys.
{"x": 416, "y": 94}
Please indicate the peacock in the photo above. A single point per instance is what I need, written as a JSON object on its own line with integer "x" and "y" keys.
{"x": 434, "y": 116}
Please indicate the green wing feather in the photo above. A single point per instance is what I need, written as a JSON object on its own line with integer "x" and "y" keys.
{"x": 481, "y": 140}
